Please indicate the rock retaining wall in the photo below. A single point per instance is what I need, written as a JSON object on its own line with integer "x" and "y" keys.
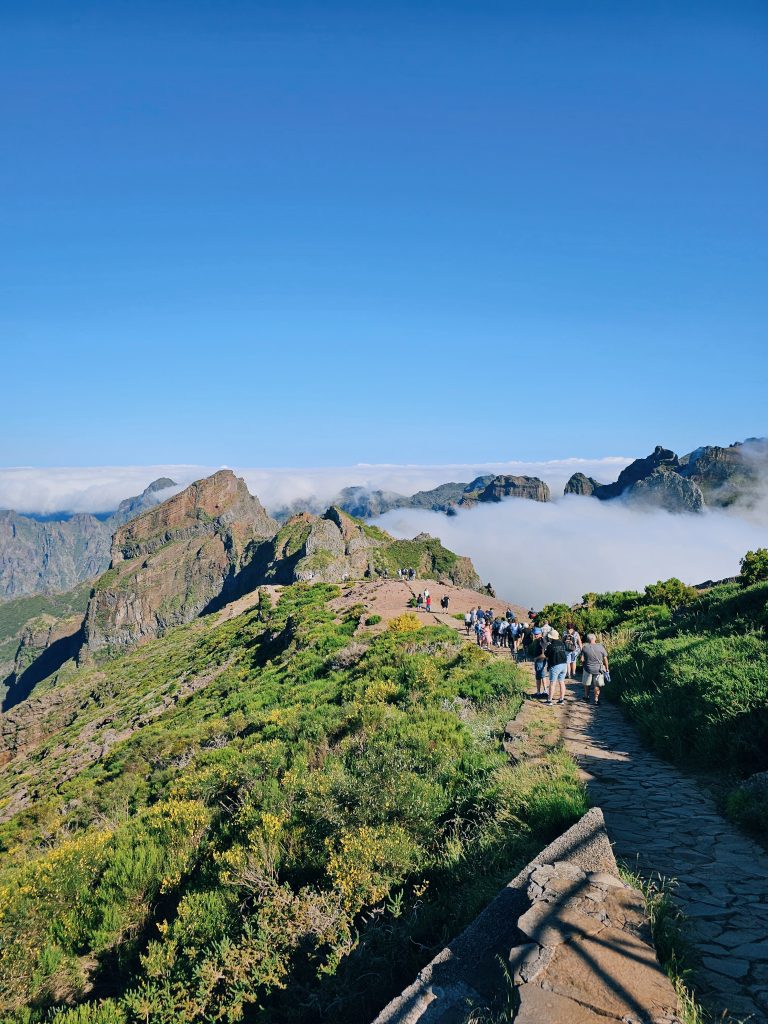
{"x": 574, "y": 939}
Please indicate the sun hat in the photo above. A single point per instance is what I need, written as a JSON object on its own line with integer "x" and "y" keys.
{"x": 554, "y": 635}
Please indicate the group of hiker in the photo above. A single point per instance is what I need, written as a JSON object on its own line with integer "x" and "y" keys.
{"x": 424, "y": 601}
{"x": 554, "y": 658}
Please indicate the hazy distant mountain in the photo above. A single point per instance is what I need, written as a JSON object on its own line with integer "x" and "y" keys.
{"x": 52, "y": 555}
{"x": 708, "y": 476}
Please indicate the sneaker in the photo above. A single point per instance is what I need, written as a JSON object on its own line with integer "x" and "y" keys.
{"x": 561, "y": 701}
{"x": 549, "y": 703}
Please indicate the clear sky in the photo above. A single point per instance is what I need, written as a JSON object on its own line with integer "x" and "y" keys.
{"x": 323, "y": 233}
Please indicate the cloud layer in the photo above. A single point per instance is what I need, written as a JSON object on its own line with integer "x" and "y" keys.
{"x": 536, "y": 553}
{"x": 100, "y": 489}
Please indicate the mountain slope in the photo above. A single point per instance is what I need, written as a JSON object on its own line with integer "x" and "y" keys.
{"x": 205, "y": 825}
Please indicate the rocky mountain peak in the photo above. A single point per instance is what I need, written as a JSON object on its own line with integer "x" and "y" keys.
{"x": 220, "y": 500}
{"x": 530, "y": 487}
{"x": 175, "y": 560}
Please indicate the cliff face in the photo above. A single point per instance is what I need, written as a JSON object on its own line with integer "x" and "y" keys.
{"x": 639, "y": 470}
{"x": 49, "y": 556}
{"x": 171, "y": 562}
{"x": 515, "y": 487}
{"x": 668, "y": 490}
{"x": 727, "y": 475}
{"x": 710, "y": 475}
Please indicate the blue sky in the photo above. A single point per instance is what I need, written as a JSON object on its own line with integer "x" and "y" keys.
{"x": 324, "y": 233}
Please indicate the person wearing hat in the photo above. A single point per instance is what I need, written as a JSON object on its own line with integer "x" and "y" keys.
{"x": 557, "y": 662}
{"x": 540, "y": 663}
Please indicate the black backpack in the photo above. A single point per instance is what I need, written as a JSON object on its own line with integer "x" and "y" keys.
{"x": 556, "y": 652}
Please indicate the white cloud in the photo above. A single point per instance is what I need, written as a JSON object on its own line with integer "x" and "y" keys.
{"x": 536, "y": 553}
{"x": 100, "y": 489}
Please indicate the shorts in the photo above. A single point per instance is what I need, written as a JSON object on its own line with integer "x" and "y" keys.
{"x": 540, "y": 667}
{"x": 593, "y": 678}
{"x": 557, "y": 672}
{"x": 570, "y": 657}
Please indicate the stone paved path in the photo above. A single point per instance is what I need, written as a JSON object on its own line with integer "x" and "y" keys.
{"x": 661, "y": 822}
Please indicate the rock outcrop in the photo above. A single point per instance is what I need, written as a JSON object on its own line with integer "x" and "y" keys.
{"x": 666, "y": 489}
{"x": 708, "y": 476}
{"x": 576, "y": 940}
{"x": 515, "y": 487}
{"x": 335, "y": 546}
{"x": 728, "y": 475}
{"x": 171, "y": 562}
{"x": 52, "y": 556}
{"x": 639, "y": 470}
{"x": 582, "y": 485}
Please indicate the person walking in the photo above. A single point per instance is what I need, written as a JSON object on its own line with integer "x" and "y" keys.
{"x": 428, "y": 600}
{"x": 594, "y": 667}
{"x": 487, "y": 636}
{"x": 572, "y": 642}
{"x": 557, "y": 663}
{"x": 467, "y": 622}
{"x": 538, "y": 652}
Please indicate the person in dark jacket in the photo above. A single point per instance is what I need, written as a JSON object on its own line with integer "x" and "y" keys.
{"x": 557, "y": 662}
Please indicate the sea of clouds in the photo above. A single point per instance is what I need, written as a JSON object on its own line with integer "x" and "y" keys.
{"x": 534, "y": 553}
{"x": 531, "y": 552}
{"x": 100, "y": 489}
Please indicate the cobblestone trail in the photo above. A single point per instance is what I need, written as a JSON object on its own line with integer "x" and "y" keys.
{"x": 661, "y": 822}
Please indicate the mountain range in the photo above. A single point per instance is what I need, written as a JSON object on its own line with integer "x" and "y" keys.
{"x": 203, "y": 547}
{"x": 54, "y": 555}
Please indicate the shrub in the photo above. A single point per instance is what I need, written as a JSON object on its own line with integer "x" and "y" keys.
{"x": 405, "y": 623}
{"x": 754, "y": 567}
{"x": 672, "y": 593}
{"x": 373, "y": 620}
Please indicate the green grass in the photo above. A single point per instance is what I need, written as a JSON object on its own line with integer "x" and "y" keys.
{"x": 15, "y": 614}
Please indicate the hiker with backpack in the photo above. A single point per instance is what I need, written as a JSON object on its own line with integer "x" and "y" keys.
{"x": 572, "y": 642}
{"x": 557, "y": 662}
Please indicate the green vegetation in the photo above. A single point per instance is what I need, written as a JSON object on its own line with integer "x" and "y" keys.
{"x": 298, "y": 818}
{"x": 754, "y": 567}
{"x": 15, "y": 614}
{"x": 425, "y": 554}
